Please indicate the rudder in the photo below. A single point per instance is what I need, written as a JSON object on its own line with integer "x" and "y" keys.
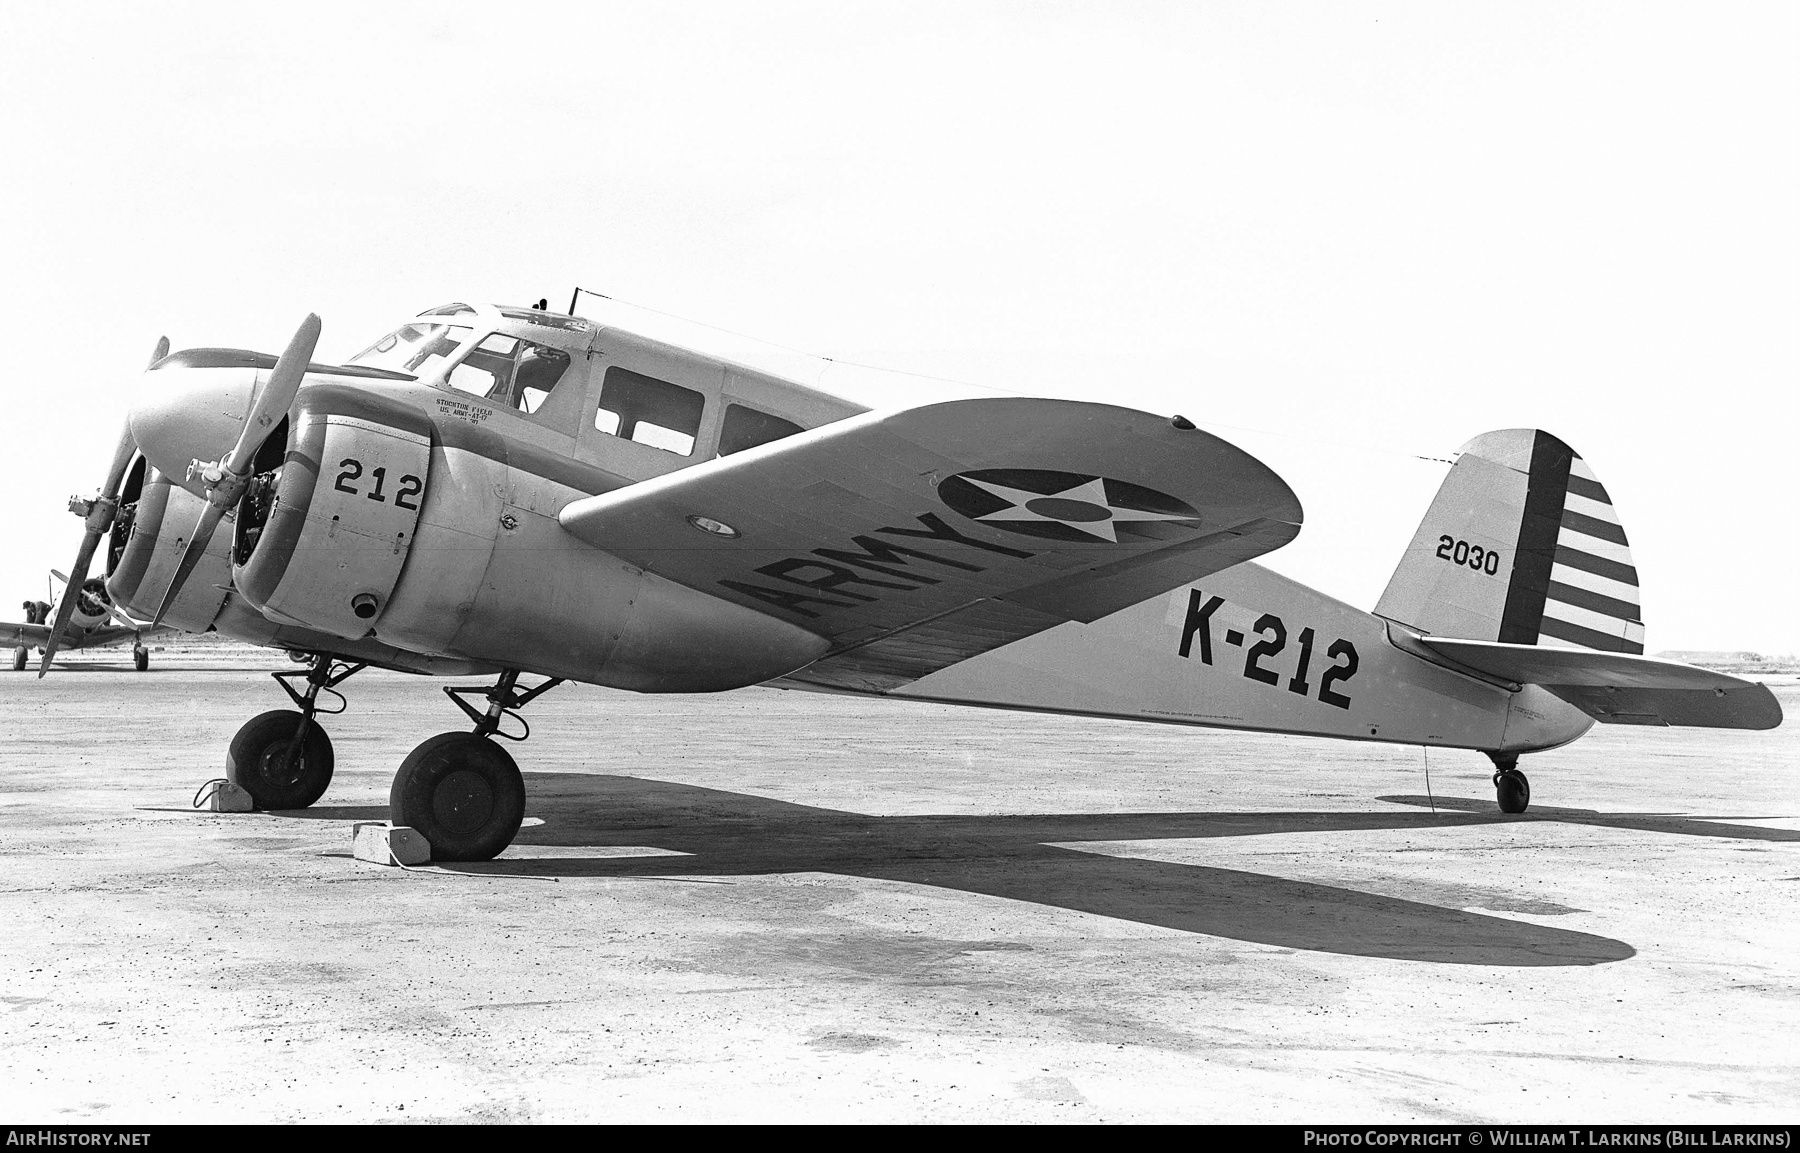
{"x": 1521, "y": 545}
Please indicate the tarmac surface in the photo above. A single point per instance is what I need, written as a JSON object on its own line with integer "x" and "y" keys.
{"x": 769, "y": 906}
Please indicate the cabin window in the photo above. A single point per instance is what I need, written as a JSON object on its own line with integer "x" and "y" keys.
{"x": 507, "y": 370}
{"x": 649, "y": 411}
{"x": 746, "y": 427}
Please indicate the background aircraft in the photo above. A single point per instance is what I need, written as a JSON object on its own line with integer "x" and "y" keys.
{"x": 92, "y": 622}
{"x": 492, "y": 489}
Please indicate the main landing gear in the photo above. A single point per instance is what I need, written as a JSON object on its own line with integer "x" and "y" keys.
{"x": 283, "y": 759}
{"x": 21, "y": 658}
{"x": 462, "y": 790}
{"x": 140, "y": 657}
{"x": 1511, "y": 788}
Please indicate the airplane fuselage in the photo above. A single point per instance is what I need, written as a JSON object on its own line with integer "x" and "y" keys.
{"x": 440, "y": 511}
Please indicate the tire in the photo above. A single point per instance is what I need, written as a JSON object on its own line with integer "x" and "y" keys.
{"x": 140, "y": 658}
{"x": 1512, "y": 790}
{"x": 21, "y": 658}
{"x": 463, "y": 793}
{"x": 257, "y": 759}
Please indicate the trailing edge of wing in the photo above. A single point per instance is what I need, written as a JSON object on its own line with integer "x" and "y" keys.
{"x": 1620, "y": 688}
{"x": 873, "y": 525}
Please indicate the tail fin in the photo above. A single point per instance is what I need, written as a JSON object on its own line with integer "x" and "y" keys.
{"x": 1520, "y": 546}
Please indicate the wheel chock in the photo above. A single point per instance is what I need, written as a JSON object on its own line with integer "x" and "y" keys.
{"x": 230, "y": 797}
{"x": 382, "y": 843}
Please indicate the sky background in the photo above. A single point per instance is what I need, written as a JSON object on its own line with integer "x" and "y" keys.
{"x": 1348, "y": 237}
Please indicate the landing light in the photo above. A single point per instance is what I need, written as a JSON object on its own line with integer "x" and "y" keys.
{"x": 716, "y": 527}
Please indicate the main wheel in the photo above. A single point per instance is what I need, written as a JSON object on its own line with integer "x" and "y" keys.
{"x": 259, "y": 761}
{"x": 140, "y": 657}
{"x": 21, "y": 658}
{"x": 463, "y": 792}
{"x": 1512, "y": 790}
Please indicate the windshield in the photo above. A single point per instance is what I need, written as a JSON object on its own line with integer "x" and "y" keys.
{"x": 419, "y": 348}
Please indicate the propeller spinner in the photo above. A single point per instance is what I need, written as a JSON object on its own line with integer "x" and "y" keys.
{"x": 226, "y": 477}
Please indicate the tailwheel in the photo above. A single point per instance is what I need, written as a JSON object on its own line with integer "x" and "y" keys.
{"x": 140, "y": 657}
{"x": 282, "y": 759}
{"x": 1511, "y": 789}
{"x": 21, "y": 658}
{"x": 463, "y": 792}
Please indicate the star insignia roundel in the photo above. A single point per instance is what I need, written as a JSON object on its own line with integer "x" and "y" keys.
{"x": 1067, "y": 506}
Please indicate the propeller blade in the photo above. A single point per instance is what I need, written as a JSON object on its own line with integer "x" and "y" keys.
{"x": 196, "y": 548}
{"x": 118, "y": 616}
{"x": 99, "y": 517}
{"x": 275, "y": 397}
{"x": 162, "y": 350}
{"x": 65, "y": 607}
{"x": 225, "y": 480}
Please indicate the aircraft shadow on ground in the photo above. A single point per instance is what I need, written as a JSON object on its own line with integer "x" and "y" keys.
{"x": 726, "y": 833}
{"x": 1686, "y": 826}
{"x": 1017, "y": 857}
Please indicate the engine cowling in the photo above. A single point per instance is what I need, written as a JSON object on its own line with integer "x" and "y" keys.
{"x": 365, "y": 481}
{"x": 148, "y": 537}
{"x": 326, "y": 524}
{"x": 93, "y": 607}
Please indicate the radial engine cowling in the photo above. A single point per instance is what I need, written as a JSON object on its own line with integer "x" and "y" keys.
{"x": 93, "y": 606}
{"x": 148, "y": 537}
{"x": 326, "y": 523}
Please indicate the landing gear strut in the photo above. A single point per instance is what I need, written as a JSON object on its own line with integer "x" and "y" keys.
{"x": 462, "y": 790}
{"x": 284, "y": 759}
{"x": 1511, "y": 788}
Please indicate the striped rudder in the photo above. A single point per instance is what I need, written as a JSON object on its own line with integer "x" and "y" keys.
{"x": 1521, "y": 545}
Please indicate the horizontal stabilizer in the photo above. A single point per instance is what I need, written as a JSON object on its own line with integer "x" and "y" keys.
{"x": 1620, "y": 688}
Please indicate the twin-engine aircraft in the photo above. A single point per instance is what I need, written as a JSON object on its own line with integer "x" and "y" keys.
{"x": 498, "y": 490}
{"x": 92, "y": 622}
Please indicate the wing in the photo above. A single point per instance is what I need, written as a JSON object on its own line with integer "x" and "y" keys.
{"x": 915, "y": 539}
{"x": 1621, "y": 688}
{"x": 13, "y": 635}
{"x": 111, "y": 635}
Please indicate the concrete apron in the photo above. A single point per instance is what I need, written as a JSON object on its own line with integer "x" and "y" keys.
{"x": 777, "y": 906}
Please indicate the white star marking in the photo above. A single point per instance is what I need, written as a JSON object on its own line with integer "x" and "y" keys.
{"x": 1088, "y": 492}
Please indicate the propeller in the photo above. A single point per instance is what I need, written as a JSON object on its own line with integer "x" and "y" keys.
{"x": 105, "y": 602}
{"x": 99, "y": 516}
{"x": 226, "y": 477}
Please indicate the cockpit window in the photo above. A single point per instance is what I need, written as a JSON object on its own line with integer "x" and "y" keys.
{"x": 450, "y": 310}
{"x": 510, "y": 371}
{"x": 418, "y": 348}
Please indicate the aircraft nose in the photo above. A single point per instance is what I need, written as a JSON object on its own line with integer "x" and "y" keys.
{"x": 186, "y": 414}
